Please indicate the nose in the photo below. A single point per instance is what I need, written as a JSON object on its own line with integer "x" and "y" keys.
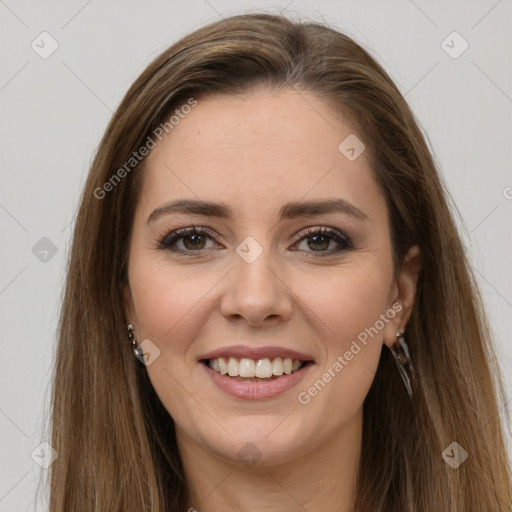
{"x": 256, "y": 292}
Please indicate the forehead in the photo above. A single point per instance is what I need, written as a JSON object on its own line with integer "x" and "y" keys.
{"x": 258, "y": 151}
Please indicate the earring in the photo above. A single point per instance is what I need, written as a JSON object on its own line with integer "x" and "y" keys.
{"x": 131, "y": 336}
{"x": 400, "y": 352}
{"x": 133, "y": 343}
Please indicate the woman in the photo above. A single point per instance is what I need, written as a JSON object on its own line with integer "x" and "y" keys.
{"x": 264, "y": 228}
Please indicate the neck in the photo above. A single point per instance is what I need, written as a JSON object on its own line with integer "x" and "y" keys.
{"x": 322, "y": 479}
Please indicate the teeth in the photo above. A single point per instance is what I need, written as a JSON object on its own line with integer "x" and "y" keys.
{"x": 277, "y": 366}
{"x": 263, "y": 368}
{"x": 223, "y": 366}
{"x": 246, "y": 368}
{"x": 215, "y": 365}
{"x": 249, "y": 368}
{"x": 233, "y": 367}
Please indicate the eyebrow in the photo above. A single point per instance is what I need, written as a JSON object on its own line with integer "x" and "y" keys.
{"x": 290, "y": 210}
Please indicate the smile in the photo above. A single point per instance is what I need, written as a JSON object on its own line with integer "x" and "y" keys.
{"x": 255, "y": 373}
{"x": 255, "y": 369}
{"x": 256, "y": 388}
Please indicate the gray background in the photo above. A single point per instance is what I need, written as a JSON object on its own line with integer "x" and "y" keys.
{"x": 55, "y": 109}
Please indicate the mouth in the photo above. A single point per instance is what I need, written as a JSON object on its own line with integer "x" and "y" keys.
{"x": 256, "y": 370}
{"x": 255, "y": 373}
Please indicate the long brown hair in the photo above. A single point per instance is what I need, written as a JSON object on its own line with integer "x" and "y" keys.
{"x": 115, "y": 440}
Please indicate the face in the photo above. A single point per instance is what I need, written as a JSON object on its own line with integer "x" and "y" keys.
{"x": 262, "y": 278}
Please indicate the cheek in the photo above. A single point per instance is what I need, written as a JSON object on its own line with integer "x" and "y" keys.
{"x": 172, "y": 307}
{"x": 171, "y": 304}
{"x": 348, "y": 308}
{"x": 346, "y": 300}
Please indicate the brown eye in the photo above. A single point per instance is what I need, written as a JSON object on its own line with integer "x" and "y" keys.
{"x": 193, "y": 240}
{"x": 318, "y": 241}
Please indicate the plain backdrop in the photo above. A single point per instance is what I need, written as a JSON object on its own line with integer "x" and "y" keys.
{"x": 54, "y": 109}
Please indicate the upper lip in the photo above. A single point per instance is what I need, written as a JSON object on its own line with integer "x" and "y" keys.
{"x": 240, "y": 351}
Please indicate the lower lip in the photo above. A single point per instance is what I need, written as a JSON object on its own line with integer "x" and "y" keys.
{"x": 256, "y": 390}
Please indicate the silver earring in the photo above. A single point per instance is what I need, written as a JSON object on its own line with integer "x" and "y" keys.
{"x": 133, "y": 342}
{"x": 400, "y": 352}
{"x": 131, "y": 336}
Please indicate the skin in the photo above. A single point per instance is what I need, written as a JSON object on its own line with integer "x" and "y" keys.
{"x": 256, "y": 153}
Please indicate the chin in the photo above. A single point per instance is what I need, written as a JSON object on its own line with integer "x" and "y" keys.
{"x": 264, "y": 441}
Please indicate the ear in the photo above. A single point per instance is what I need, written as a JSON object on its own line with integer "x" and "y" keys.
{"x": 403, "y": 294}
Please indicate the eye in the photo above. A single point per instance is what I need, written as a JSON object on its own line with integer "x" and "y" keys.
{"x": 193, "y": 240}
{"x": 319, "y": 239}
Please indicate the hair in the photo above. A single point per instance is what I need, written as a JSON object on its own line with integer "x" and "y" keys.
{"x": 115, "y": 440}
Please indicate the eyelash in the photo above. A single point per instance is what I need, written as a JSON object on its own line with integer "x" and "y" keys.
{"x": 171, "y": 238}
